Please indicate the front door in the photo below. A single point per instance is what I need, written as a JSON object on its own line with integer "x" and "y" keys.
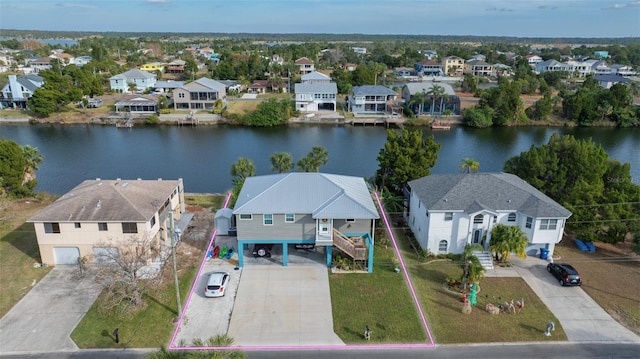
{"x": 477, "y": 235}
{"x": 323, "y": 229}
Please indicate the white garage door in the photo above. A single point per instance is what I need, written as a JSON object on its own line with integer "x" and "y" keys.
{"x": 66, "y": 255}
{"x": 105, "y": 254}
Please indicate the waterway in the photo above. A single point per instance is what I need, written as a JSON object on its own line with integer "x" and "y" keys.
{"x": 203, "y": 155}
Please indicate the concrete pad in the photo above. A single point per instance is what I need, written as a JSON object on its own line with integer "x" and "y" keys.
{"x": 283, "y": 306}
{"x": 44, "y": 319}
{"x": 581, "y": 317}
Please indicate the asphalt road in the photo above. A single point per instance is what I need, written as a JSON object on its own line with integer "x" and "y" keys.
{"x": 494, "y": 351}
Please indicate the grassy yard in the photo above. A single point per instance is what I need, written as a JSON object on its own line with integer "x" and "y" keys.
{"x": 241, "y": 106}
{"x": 148, "y": 328}
{"x": 19, "y": 249}
{"x": 382, "y": 300}
{"x": 206, "y": 201}
{"x": 610, "y": 277}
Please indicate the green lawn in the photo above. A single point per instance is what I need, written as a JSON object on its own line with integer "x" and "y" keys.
{"x": 205, "y": 201}
{"x": 151, "y": 327}
{"x": 382, "y": 300}
{"x": 19, "y": 250}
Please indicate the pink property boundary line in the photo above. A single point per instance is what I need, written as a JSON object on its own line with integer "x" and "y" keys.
{"x": 318, "y": 347}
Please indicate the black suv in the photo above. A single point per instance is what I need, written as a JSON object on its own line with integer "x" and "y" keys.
{"x": 565, "y": 273}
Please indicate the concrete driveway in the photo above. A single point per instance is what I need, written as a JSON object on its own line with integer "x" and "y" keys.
{"x": 207, "y": 317}
{"x": 44, "y": 319}
{"x": 279, "y": 305}
{"x": 581, "y": 317}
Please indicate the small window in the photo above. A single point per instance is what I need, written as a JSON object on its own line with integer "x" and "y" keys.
{"x": 246, "y": 217}
{"x": 442, "y": 246}
{"x": 77, "y": 225}
{"x": 129, "y": 227}
{"x": 102, "y": 226}
{"x": 52, "y": 228}
{"x": 549, "y": 224}
{"x": 448, "y": 216}
{"x": 350, "y": 220}
{"x": 512, "y": 217}
{"x": 152, "y": 221}
{"x": 289, "y": 217}
{"x": 478, "y": 219}
{"x": 529, "y": 222}
{"x": 267, "y": 219}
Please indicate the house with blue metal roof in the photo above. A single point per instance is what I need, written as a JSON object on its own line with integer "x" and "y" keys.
{"x": 327, "y": 211}
{"x": 18, "y": 89}
{"x": 449, "y": 211}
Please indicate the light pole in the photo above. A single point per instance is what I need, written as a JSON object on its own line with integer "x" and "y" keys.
{"x": 175, "y": 233}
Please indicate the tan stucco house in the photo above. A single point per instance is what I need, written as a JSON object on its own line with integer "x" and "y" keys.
{"x": 84, "y": 221}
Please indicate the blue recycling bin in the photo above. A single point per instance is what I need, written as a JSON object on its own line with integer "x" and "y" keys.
{"x": 544, "y": 253}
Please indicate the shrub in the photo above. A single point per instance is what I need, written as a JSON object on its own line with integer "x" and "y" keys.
{"x": 152, "y": 120}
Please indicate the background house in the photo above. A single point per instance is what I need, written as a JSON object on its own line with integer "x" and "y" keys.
{"x": 316, "y": 96}
{"x": 449, "y": 101}
{"x": 138, "y": 105}
{"x": 453, "y": 65}
{"x": 324, "y": 210}
{"x": 84, "y": 221}
{"x": 479, "y": 68}
{"x": 447, "y": 212}
{"x": 141, "y": 79}
{"x": 305, "y": 65}
{"x": 315, "y": 77}
{"x": 201, "y": 94}
{"x": 371, "y": 100}
{"x": 17, "y": 91}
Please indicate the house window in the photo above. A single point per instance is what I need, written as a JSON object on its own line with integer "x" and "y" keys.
{"x": 448, "y": 216}
{"x": 102, "y": 226}
{"x": 152, "y": 221}
{"x": 129, "y": 227}
{"x": 180, "y": 95}
{"x": 548, "y": 224}
{"x": 512, "y": 217}
{"x": 478, "y": 219}
{"x": 267, "y": 219}
{"x": 52, "y": 228}
{"x": 351, "y": 220}
{"x": 442, "y": 246}
{"x": 529, "y": 222}
{"x": 246, "y": 217}
{"x": 77, "y": 225}
{"x": 289, "y": 217}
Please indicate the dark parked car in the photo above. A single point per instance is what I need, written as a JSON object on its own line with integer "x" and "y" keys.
{"x": 262, "y": 250}
{"x": 565, "y": 273}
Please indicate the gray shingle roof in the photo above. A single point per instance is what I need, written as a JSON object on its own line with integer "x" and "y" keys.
{"x": 315, "y": 75}
{"x": 29, "y": 82}
{"x": 134, "y": 74}
{"x": 372, "y": 90}
{"x": 171, "y": 84}
{"x": 489, "y": 191}
{"x": 316, "y": 88}
{"x": 208, "y": 83}
{"x": 415, "y": 87}
{"x": 320, "y": 194}
{"x": 109, "y": 201}
{"x": 611, "y": 78}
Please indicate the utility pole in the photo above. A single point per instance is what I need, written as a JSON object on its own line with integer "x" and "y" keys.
{"x": 172, "y": 232}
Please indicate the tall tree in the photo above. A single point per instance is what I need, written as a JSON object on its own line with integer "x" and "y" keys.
{"x": 469, "y": 164}
{"x": 314, "y": 160}
{"x": 281, "y": 162}
{"x": 33, "y": 159}
{"x": 405, "y": 156}
{"x": 242, "y": 169}
{"x": 12, "y": 166}
{"x": 418, "y": 100}
{"x": 436, "y": 92}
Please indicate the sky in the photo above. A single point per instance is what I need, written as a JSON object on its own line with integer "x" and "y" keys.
{"x": 519, "y": 18}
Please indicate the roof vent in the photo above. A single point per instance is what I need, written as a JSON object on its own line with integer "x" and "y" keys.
{"x": 445, "y": 200}
{"x": 509, "y": 201}
{"x": 139, "y": 179}
{"x": 159, "y": 179}
{"x": 125, "y": 184}
{"x": 99, "y": 204}
{"x": 118, "y": 179}
{"x": 98, "y": 179}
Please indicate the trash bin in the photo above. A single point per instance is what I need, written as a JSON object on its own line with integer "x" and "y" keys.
{"x": 544, "y": 253}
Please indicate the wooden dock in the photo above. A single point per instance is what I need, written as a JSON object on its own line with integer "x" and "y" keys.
{"x": 126, "y": 124}
{"x": 190, "y": 120}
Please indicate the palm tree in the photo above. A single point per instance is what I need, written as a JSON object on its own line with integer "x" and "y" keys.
{"x": 281, "y": 162}
{"x": 469, "y": 164}
{"x": 418, "y": 99}
{"x": 473, "y": 270}
{"x": 32, "y": 159}
{"x": 314, "y": 159}
{"x": 506, "y": 240}
{"x": 436, "y": 91}
{"x": 242, "y": 169}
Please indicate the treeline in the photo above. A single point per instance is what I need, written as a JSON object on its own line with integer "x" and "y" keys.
{"x": 44, "y": 34}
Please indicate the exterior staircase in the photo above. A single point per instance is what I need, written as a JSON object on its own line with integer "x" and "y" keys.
{"x": 354, "y": 247}
{"x": 485, "y": 259}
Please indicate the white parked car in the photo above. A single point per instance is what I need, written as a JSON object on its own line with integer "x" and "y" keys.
{"x": 216, "y": 284}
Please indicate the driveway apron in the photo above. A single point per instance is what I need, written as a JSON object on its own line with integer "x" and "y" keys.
{"x": 582, "y": 319}
{"x": 44, "y": 319}
{"x": 279, "y": 305}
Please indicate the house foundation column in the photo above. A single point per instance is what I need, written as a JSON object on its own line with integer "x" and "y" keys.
{"x": 241, "y": 253}
{"x": 328, "y": 250}
{"x": 285, "y": 254}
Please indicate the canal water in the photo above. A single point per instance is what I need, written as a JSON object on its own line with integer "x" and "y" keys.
{"x": 203, "y": 155}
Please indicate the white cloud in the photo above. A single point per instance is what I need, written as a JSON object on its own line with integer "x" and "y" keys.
{"x": 635, "y": 3}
